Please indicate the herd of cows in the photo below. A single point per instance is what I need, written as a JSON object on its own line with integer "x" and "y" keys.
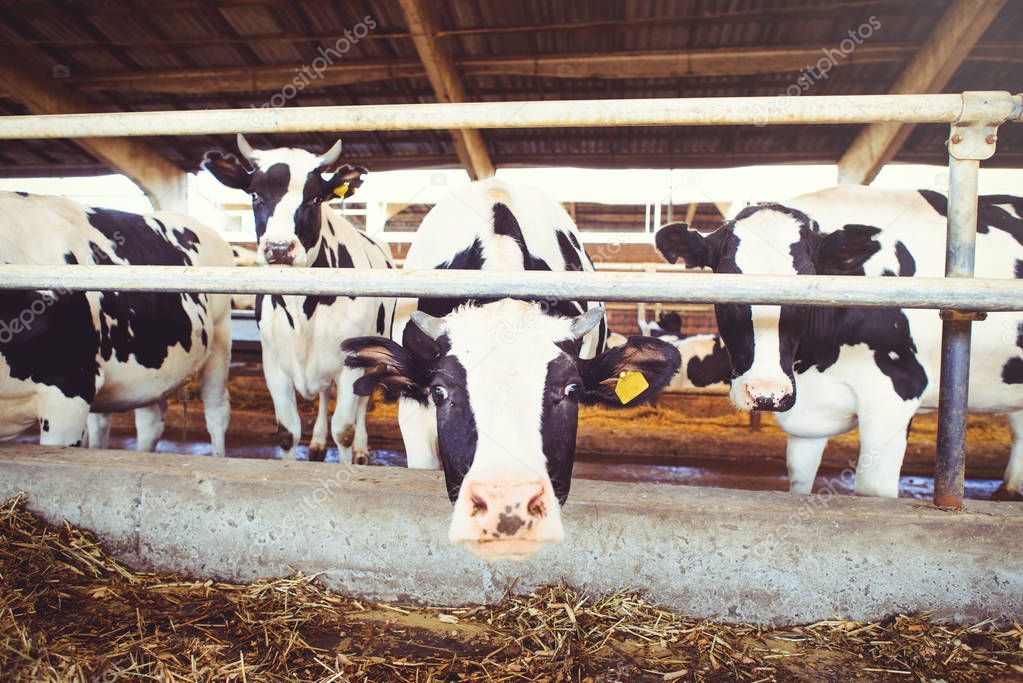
{"x": 489, "y": 390}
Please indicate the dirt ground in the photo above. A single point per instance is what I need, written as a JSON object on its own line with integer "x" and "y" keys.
{"x": 693, "y": 439}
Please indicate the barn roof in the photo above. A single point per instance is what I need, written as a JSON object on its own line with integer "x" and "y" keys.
{"x": 195, "y": 54}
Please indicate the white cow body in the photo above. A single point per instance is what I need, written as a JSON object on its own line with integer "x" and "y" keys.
{"x": 877, "y": 390}
{"x": 112, "y": 351}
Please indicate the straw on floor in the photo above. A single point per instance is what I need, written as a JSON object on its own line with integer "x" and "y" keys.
{"x": 70, "y": 612}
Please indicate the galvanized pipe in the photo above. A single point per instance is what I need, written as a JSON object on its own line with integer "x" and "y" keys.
{"x": 706, "y": 111}
{"x": 954, "y": 382}
{"x": 817, "y": 290}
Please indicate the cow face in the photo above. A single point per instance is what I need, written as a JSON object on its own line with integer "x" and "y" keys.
{"x": 506, "y": 381}
{"x": 288, "y": 188}
{"x": 762, "y": 340}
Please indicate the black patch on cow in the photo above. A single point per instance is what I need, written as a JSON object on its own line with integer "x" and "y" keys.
{"x": 602, "y": 335}
{"x": 45, "y": 425}
{"x": 21, "y": 193}
{"x": 72, "y": 260}
{"x": 669, "y": 324}
{"x": 268, "y": 187}
{"x": 506, "y": 224}
{"x": 907, "y": 264}
{"x": 142, "y": 325}
{"x": 1018, "y": 269}
{"x": 1012, "y": 371}
{"x": 844, "y": 251}
{"x": 575, "y": 241}
{"x": 470, "y": 258}
{"x": 50, "y": 339}
{"x": 457, "y": 437}
{"x": 568, "y": 252}
{"x": 381, "y": 319}
{"x": 937, "y": 201}
{"x": 713, "y": 368}
{"x": 559, "y": 421}
{"x": 885, "y": 331}
{"x": 327, "y": 258}
{"x": 276, "y": 301}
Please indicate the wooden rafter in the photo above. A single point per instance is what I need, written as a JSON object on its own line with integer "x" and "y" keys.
{"x": 959, "y": 29}
{"x": 447, "y": 85}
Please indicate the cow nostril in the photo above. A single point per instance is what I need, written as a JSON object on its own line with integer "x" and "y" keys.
{"x": 479, "y": 506}
{"x": 537, "y": 507}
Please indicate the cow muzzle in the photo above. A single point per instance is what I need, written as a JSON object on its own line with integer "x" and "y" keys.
{"x": 506, "y": 519}
{"x": 764, "y": 395}
{"x": 280, "y": 253}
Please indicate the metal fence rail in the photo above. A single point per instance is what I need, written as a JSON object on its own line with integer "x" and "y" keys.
{"x": 974, "y": 118}
{"x": 808, "y": 290}
{"x": 708, "y": 111}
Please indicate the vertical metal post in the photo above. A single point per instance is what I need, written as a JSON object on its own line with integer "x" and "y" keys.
{"x": 972, "y": 138}
{"x": 955, "y": 336}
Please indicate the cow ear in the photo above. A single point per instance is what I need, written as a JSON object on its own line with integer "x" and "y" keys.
{"x": 656, "y": 361}
{"x": 678, "y": 241}
{"x": 844, "y": 251}
{"x": 228, "y": 170}
{"x": 344, "y": 183}
{"x": 387, "y": 365}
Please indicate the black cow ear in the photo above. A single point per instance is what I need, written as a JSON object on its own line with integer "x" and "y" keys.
{"x": 344, "y": 183}
{"x": 655, "y": 360}
{"x": 844, "y": 251}
{"x": 387, "y": 365}
{"x": 678, "y": 241}
{"x": 228, "y": 170}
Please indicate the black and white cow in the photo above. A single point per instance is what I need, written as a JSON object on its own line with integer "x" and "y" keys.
{"x": 301, "y": 335}
{"x": 64, "y": 353}
{"x": 828, "y": 370}
{"x": 705, "y": 363}
{"x": 490, "y": 390}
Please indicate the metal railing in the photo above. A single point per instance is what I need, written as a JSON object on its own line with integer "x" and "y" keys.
{"x": 974, "y": 118}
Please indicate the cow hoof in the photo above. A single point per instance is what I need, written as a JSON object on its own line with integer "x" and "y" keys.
{"x": 1002, "y": 493}
{"x": 317, "y": 452}
{"x": 360, "y": 458}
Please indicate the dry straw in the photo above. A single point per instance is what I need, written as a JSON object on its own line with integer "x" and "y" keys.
{"x": 70, "y": 612}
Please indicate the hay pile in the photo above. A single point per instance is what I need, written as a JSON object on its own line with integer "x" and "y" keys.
{"x": 70, "y": 612}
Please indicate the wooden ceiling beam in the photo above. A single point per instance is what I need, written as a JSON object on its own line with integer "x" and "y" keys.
{"x": 958, "y": 30}
{"x": 447, "y": 85}
{"x": 41, "y": 93}
{"x": 675, "y": 64}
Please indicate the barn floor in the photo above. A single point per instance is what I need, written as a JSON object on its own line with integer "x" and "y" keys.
{"x": 693, "y": 439}
{"x": 70, "y": 612}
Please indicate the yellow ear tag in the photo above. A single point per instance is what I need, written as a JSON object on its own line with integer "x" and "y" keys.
{"x": 630, "y": 385}
{"x": 341, "y": 190}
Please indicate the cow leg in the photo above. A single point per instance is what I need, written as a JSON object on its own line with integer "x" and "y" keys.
{"x": 216, "y": 402}
{"x": 99, "y": 430}
{"x": 318, "y": 444}
{"x": 342, "y": 423}
{"x": 360, "y": 449}
{"x": 64, "y": 421}
{"x": 803, "y": 457}
{"x": 883, "y": 435}
{"x": 282, "y": 392}
{"x": 418, "y": 424}
{"x": 149, "y": 422}
{"x": 1014, "y": 472}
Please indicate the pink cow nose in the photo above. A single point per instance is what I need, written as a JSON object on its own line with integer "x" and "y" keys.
{"x": 767, "y": 395}
{"x": 281, "y": 253}
{"x": 508, "y": 510}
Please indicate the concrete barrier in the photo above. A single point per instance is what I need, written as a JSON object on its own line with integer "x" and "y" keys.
{"x": 760, "y": 557}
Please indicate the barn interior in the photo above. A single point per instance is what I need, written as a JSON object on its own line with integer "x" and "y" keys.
{"x": 179, "y": 55}
{"x": 681, "y": 500}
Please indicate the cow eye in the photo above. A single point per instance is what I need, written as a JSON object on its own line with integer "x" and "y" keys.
{"x": 571, "y": 390}
{"x": 317, "y": 200}
{"x": 255, "y": 198}
{"x": 439, "y": 393}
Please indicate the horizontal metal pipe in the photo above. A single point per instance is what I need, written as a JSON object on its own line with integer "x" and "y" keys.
{"x": 623, "y": 266}
{"x": 704, "y": 111}
{"x": 825, "y": 290}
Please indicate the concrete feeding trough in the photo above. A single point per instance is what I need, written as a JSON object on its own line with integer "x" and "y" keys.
{"x": 736, "y": 556}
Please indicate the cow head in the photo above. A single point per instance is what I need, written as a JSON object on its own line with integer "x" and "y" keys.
{"x": 288, "y": 187}
{"x": 762, "y": 340}
{"x": 506, "y": 381}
